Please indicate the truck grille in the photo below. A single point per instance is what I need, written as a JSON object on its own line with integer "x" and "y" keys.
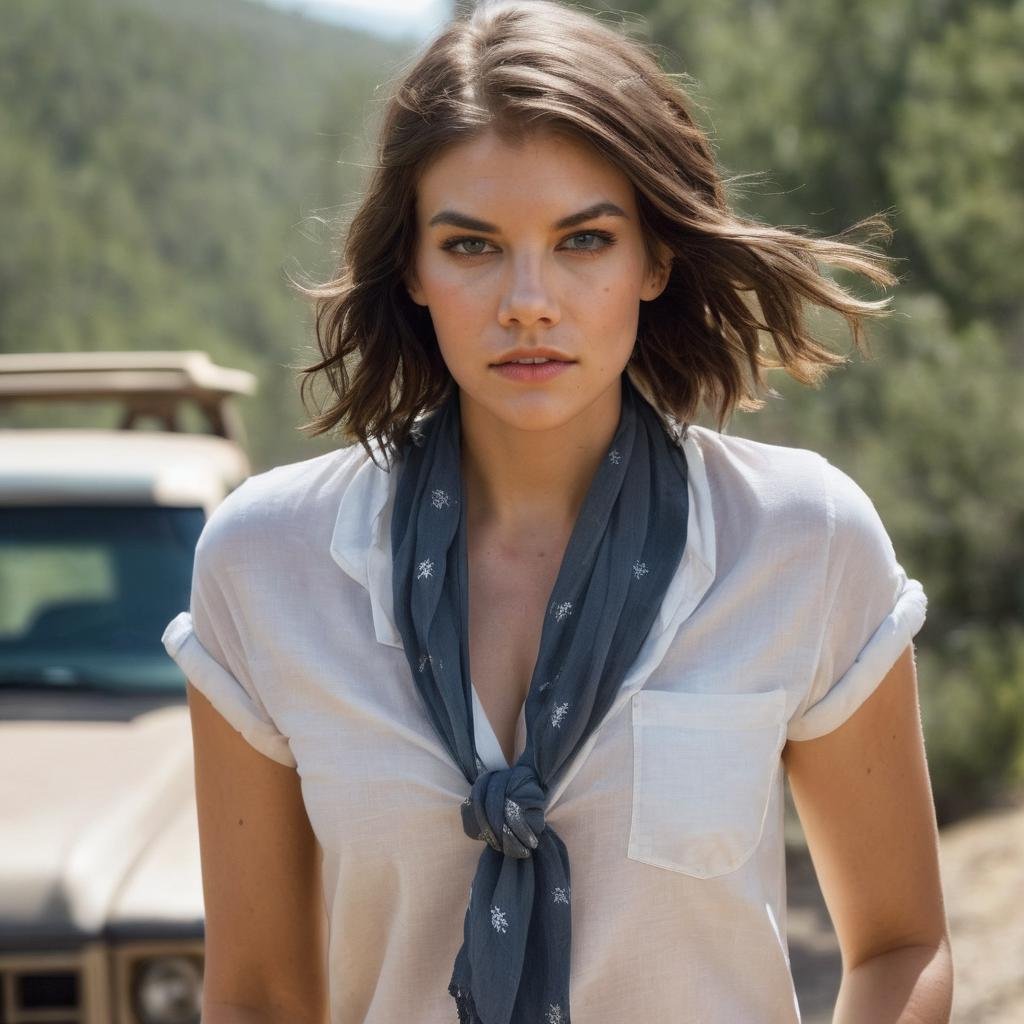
{"x": 92, "y": 985}
{"x": 41, "y": 989}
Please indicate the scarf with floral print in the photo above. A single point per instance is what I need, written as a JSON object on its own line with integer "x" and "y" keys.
{"x": 628, "y": 539}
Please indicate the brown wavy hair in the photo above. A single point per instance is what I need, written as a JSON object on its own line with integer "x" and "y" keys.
{"x": 518, "y": 65}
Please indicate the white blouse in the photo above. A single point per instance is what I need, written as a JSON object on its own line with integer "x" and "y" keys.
{"x": 786, "y": 611}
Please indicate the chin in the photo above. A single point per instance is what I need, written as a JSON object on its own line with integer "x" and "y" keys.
{"x": 535, "y": 410}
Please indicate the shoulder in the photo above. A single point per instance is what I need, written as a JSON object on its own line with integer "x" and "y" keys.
{"x": 754, "y": 480}
{"x": 754, "y": 483}
{"x": 281, "y": 512}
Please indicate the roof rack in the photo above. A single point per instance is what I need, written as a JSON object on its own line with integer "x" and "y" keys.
{"x": 148, "y": 383}
{"x": 104, "y": 374}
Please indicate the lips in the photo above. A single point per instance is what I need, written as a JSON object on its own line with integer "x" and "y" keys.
{"x": 534, "y": 353}
{"x": 533, "y": 372}
{"x": 531, "y": 362}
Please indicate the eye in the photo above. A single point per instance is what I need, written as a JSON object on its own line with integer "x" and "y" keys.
{"x": 452, "y": 242}
{"x": 605, "y": 237}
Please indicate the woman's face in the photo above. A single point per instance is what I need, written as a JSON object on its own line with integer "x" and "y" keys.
{"x": 499, "y": 273}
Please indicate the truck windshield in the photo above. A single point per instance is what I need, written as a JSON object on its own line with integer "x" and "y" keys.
{"x": 86, "y": 591}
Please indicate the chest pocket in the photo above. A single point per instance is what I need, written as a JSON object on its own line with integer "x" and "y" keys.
{"x": 703, "y": 769}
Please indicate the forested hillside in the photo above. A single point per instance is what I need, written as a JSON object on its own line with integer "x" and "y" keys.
{"x": 164, "y": 163}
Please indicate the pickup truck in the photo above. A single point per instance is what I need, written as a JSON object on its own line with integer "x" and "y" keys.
{"x": 101, "y": 908}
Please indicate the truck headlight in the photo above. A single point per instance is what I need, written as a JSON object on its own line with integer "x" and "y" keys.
{"x": 168, "y": 990}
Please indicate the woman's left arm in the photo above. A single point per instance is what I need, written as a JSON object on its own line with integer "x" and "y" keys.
{"x": 864, "y": 798}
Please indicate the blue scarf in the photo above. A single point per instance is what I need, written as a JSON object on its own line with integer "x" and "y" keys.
{"x": 626, "y": 544}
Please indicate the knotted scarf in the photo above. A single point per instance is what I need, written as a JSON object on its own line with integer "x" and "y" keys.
{"x": 626, "y": 543}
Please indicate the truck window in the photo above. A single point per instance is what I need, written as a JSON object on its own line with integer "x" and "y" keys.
{"x": 85, "y": 593}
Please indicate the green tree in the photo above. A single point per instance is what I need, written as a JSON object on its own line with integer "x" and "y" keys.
{"x": 956, "y": 159}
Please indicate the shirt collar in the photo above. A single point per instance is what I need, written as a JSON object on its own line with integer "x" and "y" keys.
{"x": 361, "y": 540}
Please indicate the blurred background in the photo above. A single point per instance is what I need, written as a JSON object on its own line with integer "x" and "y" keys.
{"x": 165, "y": 165}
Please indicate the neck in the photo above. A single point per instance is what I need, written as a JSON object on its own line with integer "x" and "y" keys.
{"x": 517, "y": 482}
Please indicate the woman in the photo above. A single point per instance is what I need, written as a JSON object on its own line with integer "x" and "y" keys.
{"x": 541, "y": 287}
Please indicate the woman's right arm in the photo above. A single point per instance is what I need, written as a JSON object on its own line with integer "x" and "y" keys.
{"x": 266, "y": 929}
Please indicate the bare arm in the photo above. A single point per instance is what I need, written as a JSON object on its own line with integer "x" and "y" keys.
{"x": 864, "y": 798}
{"x": 224, "y": 1013}
{"x": 265, "y": 921}
{"x": 912, "y": 985}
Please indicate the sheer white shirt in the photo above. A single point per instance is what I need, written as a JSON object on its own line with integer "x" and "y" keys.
{"x": 787, "y": 609}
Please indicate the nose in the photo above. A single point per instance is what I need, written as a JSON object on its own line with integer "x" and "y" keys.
{"x": 528, "y": 297}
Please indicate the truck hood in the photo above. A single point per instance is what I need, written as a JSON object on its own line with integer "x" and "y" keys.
{"x": 97, "y": 819}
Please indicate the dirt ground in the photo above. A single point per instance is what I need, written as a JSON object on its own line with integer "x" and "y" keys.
{"x": 982, "y": 863}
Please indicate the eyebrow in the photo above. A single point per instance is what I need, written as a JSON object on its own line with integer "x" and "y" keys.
{"x": 463, "y": 220}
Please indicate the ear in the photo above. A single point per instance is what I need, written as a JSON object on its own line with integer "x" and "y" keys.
{"x": 412, "y": 286}
{"x": 658, "y": 276}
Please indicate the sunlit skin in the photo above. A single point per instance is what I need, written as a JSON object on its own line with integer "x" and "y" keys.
{"x": 530, "y": 449}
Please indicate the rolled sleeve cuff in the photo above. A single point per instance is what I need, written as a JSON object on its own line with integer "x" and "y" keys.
{"x": 223, "y": 690}
{"x": 869, "y": 668}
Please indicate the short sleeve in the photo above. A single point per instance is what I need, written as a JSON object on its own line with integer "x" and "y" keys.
{"x": 208, "y": 644}
{"x": 871, "y": 610}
